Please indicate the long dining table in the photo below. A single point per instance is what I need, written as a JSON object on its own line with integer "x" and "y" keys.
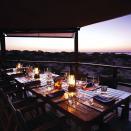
{"x": 87, "y": 111}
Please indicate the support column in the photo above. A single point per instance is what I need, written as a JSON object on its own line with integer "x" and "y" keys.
{"x": 2, "y": 42}
{"x": 76, "y": 45}
{"x": 76, "y": 59}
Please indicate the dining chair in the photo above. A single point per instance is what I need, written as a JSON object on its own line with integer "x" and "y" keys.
{"x": 46, "y": 121}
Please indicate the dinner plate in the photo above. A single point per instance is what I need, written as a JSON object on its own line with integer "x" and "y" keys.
{"x": 103, "y": 99}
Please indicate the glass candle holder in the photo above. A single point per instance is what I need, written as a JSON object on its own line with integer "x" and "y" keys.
{"x": 71, "y": 90}
{"x": 36, "y": 73}
{"x": 72, "y": 98}
{"x": 71, "y": 83}
{"x": 18, "y": 67}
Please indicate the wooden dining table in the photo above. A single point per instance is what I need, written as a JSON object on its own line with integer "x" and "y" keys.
{"x": 85, "y": 113}
{"x": 88, "y": 115}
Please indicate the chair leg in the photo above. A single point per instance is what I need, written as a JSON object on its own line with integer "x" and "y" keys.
{"x": 125, "y": 110}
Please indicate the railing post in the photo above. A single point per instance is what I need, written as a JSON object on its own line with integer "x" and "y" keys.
{"x": 3, "y": 50}
{"x": 115, "y": 72}
{"x": 76, "y": 53}
{"x": 2, "y": 42}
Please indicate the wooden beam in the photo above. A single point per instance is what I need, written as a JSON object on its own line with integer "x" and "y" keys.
{"x": 2, "y": 42}
{"x": 76, "y": 45}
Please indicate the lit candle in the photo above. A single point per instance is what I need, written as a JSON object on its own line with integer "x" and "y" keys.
{"x": 36, "y": 73}
{"x": 72, "y": 94}
{"x": 49, "y": 88}
{"x": 66, "y": 95}
{"x": 71, "y": 80}
{"x": 72, "y": 83}
{"x": 18, "y": 66}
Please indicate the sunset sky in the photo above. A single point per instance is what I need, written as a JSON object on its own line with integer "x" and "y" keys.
{"x": 108, "y": 36}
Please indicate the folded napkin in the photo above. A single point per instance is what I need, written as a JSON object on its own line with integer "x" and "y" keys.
{"x": 33, "y": 83}
{"x": 90, "y": 84}
{"x": 18, "y": 75}
{"x": 104, "y": 99}
{"x": 56, "y": 94}
{"x": 9, "y": 70}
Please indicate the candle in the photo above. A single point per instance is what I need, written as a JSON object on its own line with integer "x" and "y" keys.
{"x": 72, "y": 83}
{"x": 71, "y": 80}
{"x": 36, "y": 73}
{"x": 72, "y": 94}
{"x": 72, "y": 98}
{"x": 49, "y": 88}
{"x": 18, "y": 67}
{"x": 66, "y": 95}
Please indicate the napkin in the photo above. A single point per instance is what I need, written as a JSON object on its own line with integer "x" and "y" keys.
{"x": 56, "y": 94}
{"x": 9, "y": 70}
{"x": 32, "y": 83}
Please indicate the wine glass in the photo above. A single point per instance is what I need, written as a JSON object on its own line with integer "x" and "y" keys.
{"x": 96, "y": 81}
{"x": 83, "y": 82}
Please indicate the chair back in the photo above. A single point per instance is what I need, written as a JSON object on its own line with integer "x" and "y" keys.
{"x": 18, "y": 118}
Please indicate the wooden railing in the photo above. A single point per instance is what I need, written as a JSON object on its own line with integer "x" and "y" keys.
{"x": 77, "y": 64}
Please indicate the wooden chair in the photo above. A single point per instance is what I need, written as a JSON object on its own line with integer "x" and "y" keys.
{"x": 29, "y": 112}
{"x": 37, "y": 122}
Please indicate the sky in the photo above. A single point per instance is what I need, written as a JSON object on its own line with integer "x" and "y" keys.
{"x": 44, "y": 44}
{"x": 107, "y": 36}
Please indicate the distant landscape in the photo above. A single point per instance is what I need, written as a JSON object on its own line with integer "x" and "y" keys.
{"x": 115, "y": 59}
{"x": 119, "y": 59}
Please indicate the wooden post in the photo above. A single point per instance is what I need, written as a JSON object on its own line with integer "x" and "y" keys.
{"x": 76, "y": 53}
{"x": 115, "y": 71}
{"x": 2, "y": 42}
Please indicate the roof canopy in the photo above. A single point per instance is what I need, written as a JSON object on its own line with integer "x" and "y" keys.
{"x": 57, "y": 15}
{"x": 55, "y": 35}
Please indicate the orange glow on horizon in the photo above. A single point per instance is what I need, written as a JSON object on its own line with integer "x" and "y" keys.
{"x": 43, "y": 44}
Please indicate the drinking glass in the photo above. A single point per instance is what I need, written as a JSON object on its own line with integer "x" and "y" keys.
{"x": 65, "y": 76}
{"x": 72, "y": 98}
{"x": 104, "y": 89}
{"x": 96, "y": 81}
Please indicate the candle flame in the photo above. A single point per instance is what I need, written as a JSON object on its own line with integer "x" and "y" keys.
{"x": 18, "y": 66}
{"x": 71, "y": 80}
{"x": 36, "y": 71}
